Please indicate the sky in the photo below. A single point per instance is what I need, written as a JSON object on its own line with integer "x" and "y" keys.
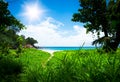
{"x": 49, "y": 22}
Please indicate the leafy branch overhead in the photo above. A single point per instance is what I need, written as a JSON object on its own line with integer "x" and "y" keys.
{"x": 101, "y": 16}
{"x": 7, "y": 20}
{"x": 9, "y": 26}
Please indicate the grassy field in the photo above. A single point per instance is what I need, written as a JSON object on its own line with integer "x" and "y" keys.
{"x": 15, "y": 67}
{"x": 65, "y": 66}
{"x": 86, "y": 66}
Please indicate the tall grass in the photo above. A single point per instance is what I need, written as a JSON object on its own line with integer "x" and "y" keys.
{"x": 10, "y": 68}
{"x": 64, "y": 66}
{"x": 15, "y": 67}
{"x": 79, "y": 66}
{"x": 33, "y": 61}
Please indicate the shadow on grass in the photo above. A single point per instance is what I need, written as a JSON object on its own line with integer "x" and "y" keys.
{"x": 10, "y": 68}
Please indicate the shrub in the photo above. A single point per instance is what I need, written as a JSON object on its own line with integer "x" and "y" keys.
{"x": 9, "y": 69}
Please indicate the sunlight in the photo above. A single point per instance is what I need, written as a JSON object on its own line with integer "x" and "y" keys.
{"x": 32, "y": 11}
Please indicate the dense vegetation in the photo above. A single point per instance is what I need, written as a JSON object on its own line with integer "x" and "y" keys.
{"x": 65, "y": 66}
{"x": 15, "y": 68}
{"x": 18, "y": 64}
{"x": 9, "y": 28}
{"x": 101, "y": 16}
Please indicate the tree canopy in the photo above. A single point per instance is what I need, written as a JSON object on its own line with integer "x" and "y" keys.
{"x": 31, "y": 41}
{"x": 101, "y": 16}
{"x": 9, "y": 26}
{"x": 7, "y": 20}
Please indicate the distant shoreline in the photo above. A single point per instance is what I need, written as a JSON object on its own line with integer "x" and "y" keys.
{"x": 50, "y": 51}
{"x": 65, "y": 48}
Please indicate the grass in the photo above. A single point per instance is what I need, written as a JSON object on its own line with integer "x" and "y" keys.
{"x": 34, "y": 57}
{"x": 10, "y": 68}
{"x": 33, "y": 60}
{"x": 68, "y": 66}
{"x": 15, "y": 67}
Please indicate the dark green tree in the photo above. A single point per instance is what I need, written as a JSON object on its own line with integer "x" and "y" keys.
{"x": 101, "y": 16}
{"x": 31, "y": 41}
{"x": 7, "y": 20}
{"x": 9, "y": 26}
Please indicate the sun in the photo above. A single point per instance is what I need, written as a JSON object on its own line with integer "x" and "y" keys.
{"x": 32, "y": 11}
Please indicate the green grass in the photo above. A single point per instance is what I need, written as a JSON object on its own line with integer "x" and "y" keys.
{"x": 34, "y": 57}
{"x": 33, "y": 60}
{"x": 68, "y": 66}
{"x": 10, "y": 68}
{"x": 83, "y": 66}
{"x": 15, "y": 67}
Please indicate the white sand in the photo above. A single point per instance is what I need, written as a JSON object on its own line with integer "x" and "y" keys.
{"x": 49, "y": 51}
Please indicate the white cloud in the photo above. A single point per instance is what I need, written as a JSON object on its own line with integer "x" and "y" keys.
{"x": 48, "y": 33}
{"x": 51, "y": 23}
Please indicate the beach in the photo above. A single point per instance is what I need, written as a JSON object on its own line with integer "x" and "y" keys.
{"x": 49, "y": 51}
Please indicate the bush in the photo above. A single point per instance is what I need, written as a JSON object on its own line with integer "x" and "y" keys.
{"x": 9, "y": 69}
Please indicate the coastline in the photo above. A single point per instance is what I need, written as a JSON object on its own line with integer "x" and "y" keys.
{"x": 50, "y": 51}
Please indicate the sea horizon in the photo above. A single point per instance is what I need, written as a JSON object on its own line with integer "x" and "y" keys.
{"x": 66, "y": 47}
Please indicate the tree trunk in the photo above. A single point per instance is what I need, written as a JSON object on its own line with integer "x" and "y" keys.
{"x": 115, "y": 44}
{"x": 112, "y": 46}
{"x": 105, "y": 32}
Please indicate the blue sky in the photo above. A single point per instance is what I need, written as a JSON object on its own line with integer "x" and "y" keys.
{"x": 49, "y": 22}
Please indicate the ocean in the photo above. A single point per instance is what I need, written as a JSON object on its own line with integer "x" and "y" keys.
{"x": 66, "y": 48}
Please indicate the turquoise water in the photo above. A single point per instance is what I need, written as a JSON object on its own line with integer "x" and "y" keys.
{"x": 66, "y": 48}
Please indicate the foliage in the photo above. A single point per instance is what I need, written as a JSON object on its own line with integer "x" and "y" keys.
{"x": 8, "y": 21}
{"x": 15, "y": 69}
{"x": 71, "y": 66}
{"x": 10, "y": 68}
{"x": 9, "y": 26}
{"x": 65, "y": 66}
{"x": 19, "y": 42}
{"x": 101, "y": 16}
{"x": 32, "y": 57}
{"x": 31, "y": 41}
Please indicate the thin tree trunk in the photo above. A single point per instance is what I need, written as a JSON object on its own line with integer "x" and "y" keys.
{"x": 115, "y": 44}
{"x": 105, "y": 25}
{"x": 117, "y": 40}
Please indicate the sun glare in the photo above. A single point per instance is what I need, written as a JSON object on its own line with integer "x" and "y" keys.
{"x": 32, "y": 11}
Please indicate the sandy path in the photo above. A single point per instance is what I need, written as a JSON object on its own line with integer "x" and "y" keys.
{"x": 51, "y": 54}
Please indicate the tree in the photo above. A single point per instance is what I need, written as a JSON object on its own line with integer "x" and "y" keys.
{"x": 19, "y": 42}
{"x": 31, "y": 41}
{"x": 7, "y": 20}
{"x": 9, "y": 26}
{"x": 101, "y": 16}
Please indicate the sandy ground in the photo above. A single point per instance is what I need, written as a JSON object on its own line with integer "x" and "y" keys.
{"x": 49, "y": 51}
